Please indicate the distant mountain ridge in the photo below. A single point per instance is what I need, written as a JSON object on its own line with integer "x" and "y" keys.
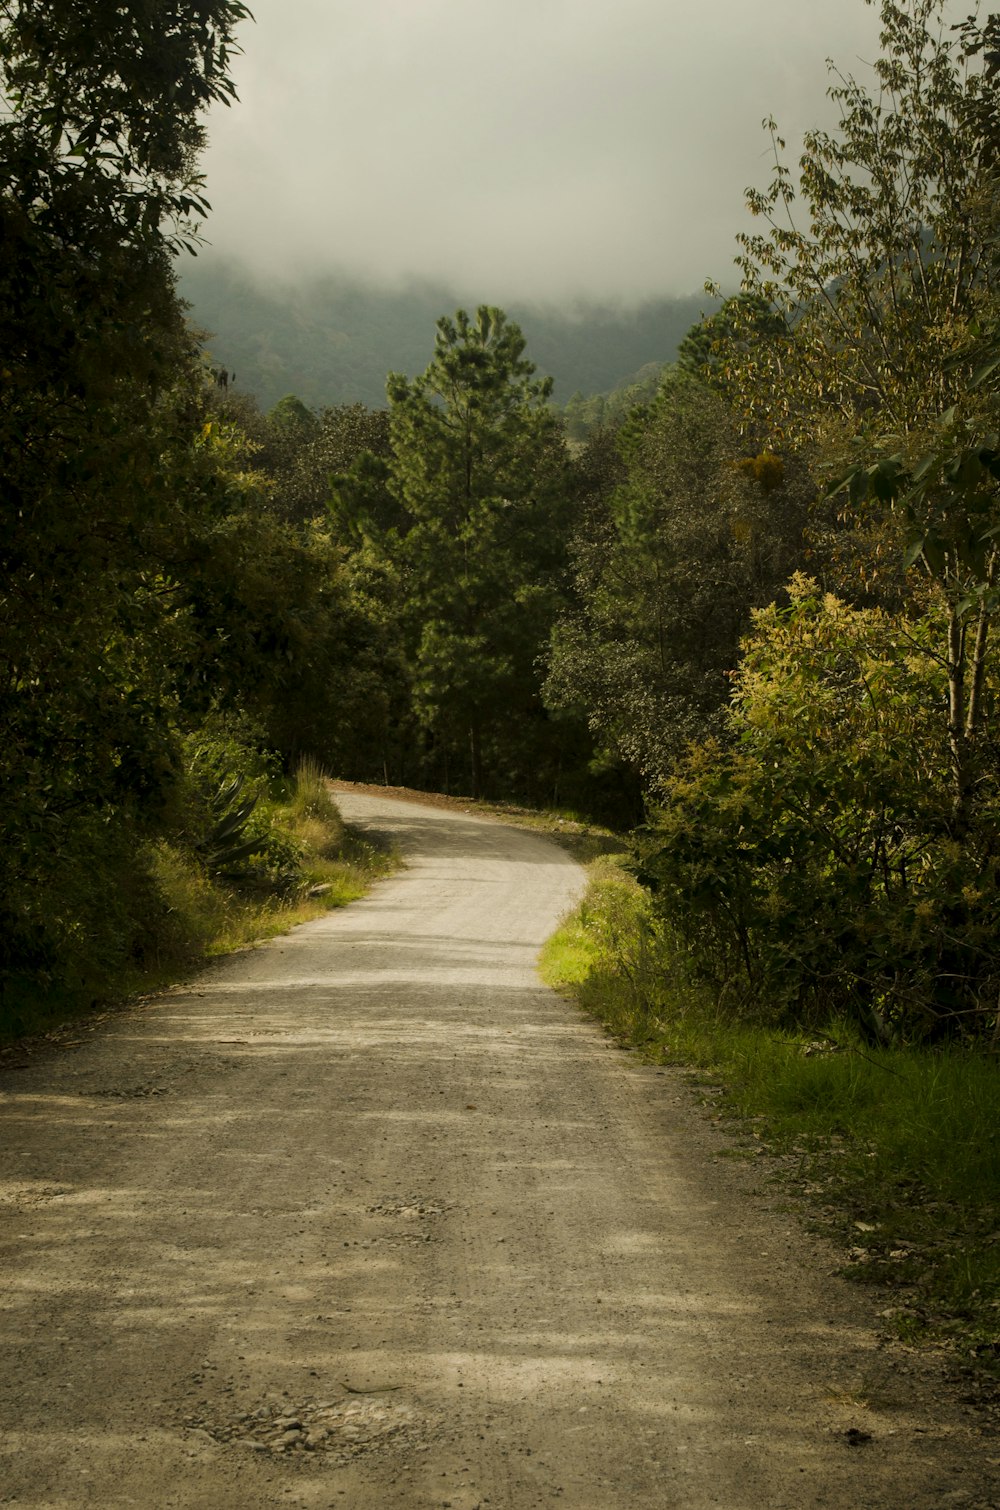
{"x": 333, "y": 341}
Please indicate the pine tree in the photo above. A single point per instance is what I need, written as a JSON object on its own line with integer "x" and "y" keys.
{"x": 477, "y": 462}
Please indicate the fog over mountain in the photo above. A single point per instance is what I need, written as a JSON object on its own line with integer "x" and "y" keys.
{"x": 332, "y": 340}
{"x": 514, "y": 150}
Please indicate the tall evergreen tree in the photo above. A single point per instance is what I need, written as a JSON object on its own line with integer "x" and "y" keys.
{"x": 476, "y": 467}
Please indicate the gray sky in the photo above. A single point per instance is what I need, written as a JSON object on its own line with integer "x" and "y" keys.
{"x": 516, "y": 149}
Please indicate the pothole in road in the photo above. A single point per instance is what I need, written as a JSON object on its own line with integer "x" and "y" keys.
{"x": 21, "y": 1194}
{"x": 409, "y": 1208}
{"x": 358, "y": 1424}
{"x": 165, "y": 1078}
{"x": 128, "y": 1093}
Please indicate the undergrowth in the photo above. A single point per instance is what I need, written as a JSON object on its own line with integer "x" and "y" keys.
{"x": 896, "y": 1150}
{"x": 295, "y": 860}
{"x": 308, "y": 862}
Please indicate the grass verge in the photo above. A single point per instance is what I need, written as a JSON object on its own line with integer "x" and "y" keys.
{"x": 896, "y": 1152}
{"x": 304, "y": 862}
{"x": 310, "y": 863}
{"x": 584, "y": 840}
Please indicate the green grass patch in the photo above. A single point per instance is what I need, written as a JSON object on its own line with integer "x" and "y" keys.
{"x": 310, "y": 862}
{"x": 178, "y": 910}
{"x": 582, "y": 838}
{"x": 895, "y": 1151}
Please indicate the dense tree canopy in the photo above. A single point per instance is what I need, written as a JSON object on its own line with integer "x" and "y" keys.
{"x": 474, "y": 553}
{"x": 667, "y": 567}
{"x": 104, "y": 470}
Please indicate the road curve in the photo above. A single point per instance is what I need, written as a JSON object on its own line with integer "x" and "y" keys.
{"x": 366, "y": 1217}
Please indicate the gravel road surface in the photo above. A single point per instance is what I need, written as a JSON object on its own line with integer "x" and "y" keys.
{"x": 367, "y": 1218}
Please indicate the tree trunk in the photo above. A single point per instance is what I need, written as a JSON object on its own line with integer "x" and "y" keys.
{"x": 958, "y": 742}
{"x": 966, "y": 675}
{"x": 476, "y": 754}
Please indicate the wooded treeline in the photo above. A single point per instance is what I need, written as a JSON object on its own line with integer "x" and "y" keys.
{"x": 753, "y": 610}
{"x": 331, "y": 339}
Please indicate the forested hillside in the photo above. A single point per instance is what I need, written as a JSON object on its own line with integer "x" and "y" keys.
{"x": 755, "y": 607}
{"x": 332, "y": 341}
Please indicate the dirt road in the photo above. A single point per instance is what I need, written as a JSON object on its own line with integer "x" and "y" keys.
{"x": 367, "y": 1217}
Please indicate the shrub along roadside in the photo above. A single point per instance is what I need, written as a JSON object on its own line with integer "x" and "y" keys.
{"x": 257, "y": 855}
{"x": 896, "y": 1151}
{"x": 812, "y": 859}
{"x": 301, "y": 862}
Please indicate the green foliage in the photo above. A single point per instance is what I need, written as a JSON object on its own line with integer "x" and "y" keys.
{"x": 344, "y": 438}
{"x": 291, "y": 414}
{"x": 832, "y": 852}
{"x": 879, "y": 262}
{"x": 460, "y": 539}
{"x": 674, "y": 549}
{"x": 150, "y": 578}
{"x": 809, "y": 866}
{"x": 97, "y": 182}
{"x": 332, "y": 341}
{"x": 107, "y": 105}
{"x": 742, "y": 323}
{"x": 891, "y": 298}
{"x": 605, "y": 952}
{"x": 950, "y": 502}
{"x": 225, "y": 843}
{"x": 125, "y": 916}
{"x": 582, "y": 416}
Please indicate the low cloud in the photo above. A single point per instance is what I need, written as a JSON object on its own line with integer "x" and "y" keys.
{"x": 551, "y": 150}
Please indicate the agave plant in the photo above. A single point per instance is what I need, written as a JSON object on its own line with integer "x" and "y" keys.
{"x": 224, "y": 846}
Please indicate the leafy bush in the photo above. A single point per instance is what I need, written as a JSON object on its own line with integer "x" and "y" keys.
{"x": 809, "y": 864}
{"x": 249, "y": 854}
{"x": 271, "y": 856}
{"x": 77, "y": 920}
